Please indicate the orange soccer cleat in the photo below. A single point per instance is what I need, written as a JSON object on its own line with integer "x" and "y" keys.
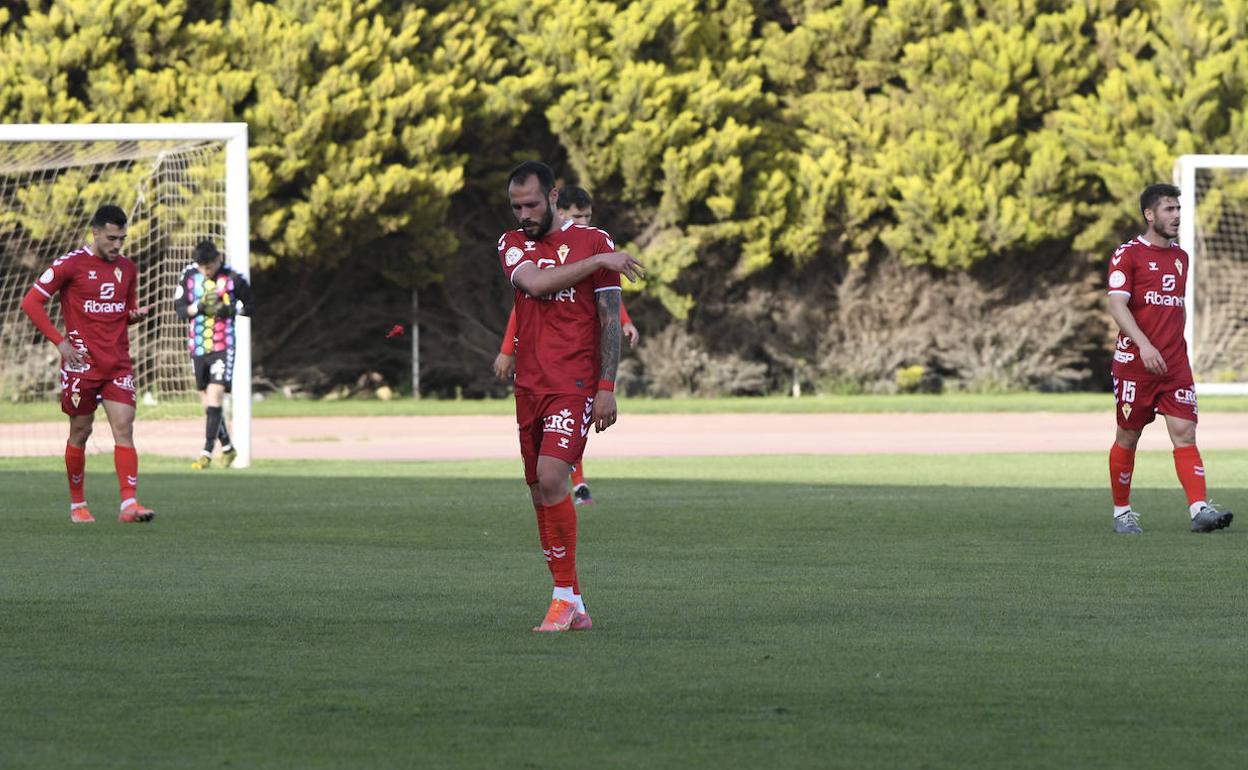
{"x": 559, "y": 617}
{"x": 135, "y": 514}
{"x": 581, "y": 622}
{"x": 81, "y": 515}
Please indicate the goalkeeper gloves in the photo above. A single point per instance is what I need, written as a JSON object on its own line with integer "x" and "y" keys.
{"x": 210, "y": 304}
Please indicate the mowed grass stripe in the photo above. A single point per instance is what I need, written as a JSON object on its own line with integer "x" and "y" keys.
{"x": 792, "y": 612}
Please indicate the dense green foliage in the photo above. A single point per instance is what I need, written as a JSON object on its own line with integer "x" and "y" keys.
{"x": 736, "y": 146}
{"x": 785, "y": 612}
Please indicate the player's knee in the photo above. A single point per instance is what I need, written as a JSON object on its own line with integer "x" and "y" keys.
{"x": 553, "y": 486}
{"x": 1127, "y": 439}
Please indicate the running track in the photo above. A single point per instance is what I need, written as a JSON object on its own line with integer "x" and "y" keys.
{"x": 494, "y": 437}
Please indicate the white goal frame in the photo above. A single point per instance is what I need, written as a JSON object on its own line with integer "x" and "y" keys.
{"x": 237, "y": 222}
{"x": 1185, "y": 179}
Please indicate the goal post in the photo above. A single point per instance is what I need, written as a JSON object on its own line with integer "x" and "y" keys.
{"x": 179, "y": 182}
{"x": 1213, "y": 198}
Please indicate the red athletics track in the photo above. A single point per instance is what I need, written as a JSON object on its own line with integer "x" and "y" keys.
{"x": 649, "y": 435}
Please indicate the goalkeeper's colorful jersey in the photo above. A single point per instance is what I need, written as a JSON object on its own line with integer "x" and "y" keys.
{"x": 210, "y": 327}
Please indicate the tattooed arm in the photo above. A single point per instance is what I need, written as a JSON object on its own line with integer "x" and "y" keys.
{"x": 604, "y": 414}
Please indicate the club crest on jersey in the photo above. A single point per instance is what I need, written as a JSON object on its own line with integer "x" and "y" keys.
{"x": 47, "y": 276}
{"x": 513, "y": 255}
{"x": 562, "y": 252}
{"x": 117, "y": 272}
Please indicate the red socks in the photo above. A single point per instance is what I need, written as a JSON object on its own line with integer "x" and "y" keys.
{"x": 561, "y": 538}
{"x": 1191, "y": 472}
{"x": 126, "y": 461}
{"x": 75, "y": 471}
{"x": 578, "y": 474}
{"x": 541, "y": 533}
{"x": 1121, "y": 466}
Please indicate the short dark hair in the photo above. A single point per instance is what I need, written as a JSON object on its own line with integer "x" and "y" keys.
{"x": 1154, "y": 193}
{"x": 529, "y": 168}
{"x": 573, "y": 196}
{"x": 108, "y": 214}
{"x": 206, "y": 252}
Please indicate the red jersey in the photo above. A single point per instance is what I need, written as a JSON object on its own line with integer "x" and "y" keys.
{"x": 96, "y": 299}
{"x": 557, "y": 336}
{"x": 1154, "y": 280}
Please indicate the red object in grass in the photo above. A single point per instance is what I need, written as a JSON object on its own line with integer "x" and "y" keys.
{"x": 395, "y": 331}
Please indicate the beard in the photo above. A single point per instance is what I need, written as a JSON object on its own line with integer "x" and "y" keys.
{"x": 535, "y": 230}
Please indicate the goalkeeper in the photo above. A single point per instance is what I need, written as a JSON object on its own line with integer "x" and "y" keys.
{"x": 209, "y": 297}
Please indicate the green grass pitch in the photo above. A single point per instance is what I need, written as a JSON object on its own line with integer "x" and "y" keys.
{"x": 856, "y": 612}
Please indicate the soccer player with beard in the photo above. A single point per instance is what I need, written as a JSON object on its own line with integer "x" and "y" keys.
{"x": 97, "y": 288}
{"x": 572, "y": 203}
{"x": 1147, "y": 286}
{"x": 567, "y": 298}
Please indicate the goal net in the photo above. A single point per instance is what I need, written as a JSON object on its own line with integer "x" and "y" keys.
{"x": 1214, "y": 232}
{"x": 172, "y": 181}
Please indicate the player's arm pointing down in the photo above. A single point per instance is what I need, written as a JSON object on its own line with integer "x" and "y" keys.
{"x": 604, "y": 412}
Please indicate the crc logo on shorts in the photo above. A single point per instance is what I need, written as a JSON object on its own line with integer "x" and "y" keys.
{"x": 125, "y": 383}
{"x": 561, "y": 423}
{"x": 1185, "y": 396}
{"x": 513, "y": 256}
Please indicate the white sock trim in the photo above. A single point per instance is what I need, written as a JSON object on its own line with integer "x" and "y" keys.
{"x": 1195, "y": 507}
{"x": 128, "y": 502}
{"x": 1121, "y": 509}
{"x": 564, "y": 593}
{"x": 76, "y": 506}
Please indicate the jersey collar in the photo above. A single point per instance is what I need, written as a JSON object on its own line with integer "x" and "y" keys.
{"x": 1145, "y": 242}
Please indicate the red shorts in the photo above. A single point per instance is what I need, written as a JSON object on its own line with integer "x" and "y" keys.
{"x": 79, "y": 395}
{"x": 1140, "y": 401}
{"x": 552, "y": 425}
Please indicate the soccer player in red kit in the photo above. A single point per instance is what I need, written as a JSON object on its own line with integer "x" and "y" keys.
{"x": 97, "y": 288}
{"x": 1147, "y": 285}
{"x": 575, "y": 204}
{"x": 567, "y": 298}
